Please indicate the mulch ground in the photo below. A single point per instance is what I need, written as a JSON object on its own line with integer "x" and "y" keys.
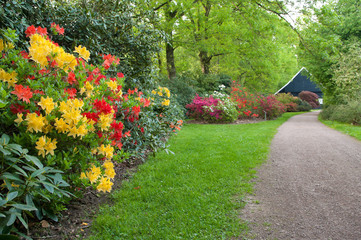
{"x": 75, "y": 222}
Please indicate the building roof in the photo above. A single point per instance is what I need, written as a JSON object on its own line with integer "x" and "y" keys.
{"x": 300, "y": 82}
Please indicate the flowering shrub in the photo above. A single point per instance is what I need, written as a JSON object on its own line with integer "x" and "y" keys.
{"x": 247, "y": 103}
{"x": 215, "y": 108}
{"x": 27, "y": 186}
{"x": 310, "y": 97}
{"x": 271, "y": 107}
{"x": 289, "y": 101}
{"x": 73, "y": 115}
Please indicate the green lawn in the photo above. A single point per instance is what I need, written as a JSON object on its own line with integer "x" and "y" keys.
{"x": 195, "y": 193}
{"x": 352, "y": 130}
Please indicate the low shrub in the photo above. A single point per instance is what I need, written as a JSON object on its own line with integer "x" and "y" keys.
{"x": 289, "y": 101}
{"x": 28, "y": 187}
{"x": 303, "y": 106}
{"x": 310, "y": 97}
{"x": 247, "y": 103}
{"x": 217, "y": 108}
{"x": 347, "y": 113}
{"x": 271, "y": 107}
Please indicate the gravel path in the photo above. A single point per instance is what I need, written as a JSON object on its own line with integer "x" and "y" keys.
{"x": 310, "y": 188}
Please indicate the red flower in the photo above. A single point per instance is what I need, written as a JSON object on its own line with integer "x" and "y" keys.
{"x": 23, "y": 93}
{"x": 71, "y": 78}
{"x": 59, "y": 30}
{"x": 38, "y": 92}
{"x": 30, "y": 31}
{"x": 41, "y": 31}
{"x": 71, "y": 92}
{"x": 102, "y": 106}
{"x": 24, "y": 54}
{"x": 120, "y": 75}
{"x": 17, "y": 108}
{"x": 136, "y": 110}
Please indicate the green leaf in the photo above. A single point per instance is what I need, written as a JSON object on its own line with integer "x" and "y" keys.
{"x": 37, "y": 173}
{"x": 16, "y": 147}
{"x": 24, "y": 207}
{"x": 49, "y": 187}
{"x": 22, "y": 221}
{"x": 35, "y": 160}
{"x": 11, "y": 220}
{"x": 11, "y": 196}
{"x": 5, "y": 139}
{"x": 2, "y": 215}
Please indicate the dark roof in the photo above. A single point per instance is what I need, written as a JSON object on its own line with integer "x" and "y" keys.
{"x": 300, "y": 82}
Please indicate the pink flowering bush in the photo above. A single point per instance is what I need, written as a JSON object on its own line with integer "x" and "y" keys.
{"x": 217, "y": 108}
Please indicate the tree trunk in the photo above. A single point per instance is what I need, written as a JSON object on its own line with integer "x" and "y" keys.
{"x": 205, "y": 61}
{"x": 170, "y": 61}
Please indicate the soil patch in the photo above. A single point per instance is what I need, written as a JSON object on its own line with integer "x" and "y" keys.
{"x": 76, "y": 220}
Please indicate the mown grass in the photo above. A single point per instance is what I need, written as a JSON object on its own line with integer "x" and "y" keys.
{"x": 195, "y": 193}
{"x": 352, "y": 130}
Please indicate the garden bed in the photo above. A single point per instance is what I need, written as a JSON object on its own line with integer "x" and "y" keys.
{"x": 76, "y": 220}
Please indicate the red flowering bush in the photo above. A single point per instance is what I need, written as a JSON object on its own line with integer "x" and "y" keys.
{"x": 310, "y": 97}
{"x": 247, "y": 103}
{"x": 71, "y": 114}
{"x": 271, "y": 107}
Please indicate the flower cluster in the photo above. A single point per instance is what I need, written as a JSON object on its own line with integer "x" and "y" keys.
{"x": 164, "y": 93}
{"x": 83, "y": 113}
{"x": 213, "y": 109}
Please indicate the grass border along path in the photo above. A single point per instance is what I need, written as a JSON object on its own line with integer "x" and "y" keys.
{"x": 195, "y": 193}
{"x": 351, "y": 130}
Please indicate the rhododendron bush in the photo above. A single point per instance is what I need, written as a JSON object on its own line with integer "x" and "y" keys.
{"x": 74, "y": 116}
{"x": 241, "y": 104}
{"x": 215, "y": 108}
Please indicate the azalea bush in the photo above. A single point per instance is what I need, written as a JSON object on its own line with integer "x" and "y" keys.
{"x": 289, "y": 101}
{"x": 217, "y": 107}
{"x": 247, "y": 103}
{"x": 270, "y": 107}
{"x": 75, "y": 116}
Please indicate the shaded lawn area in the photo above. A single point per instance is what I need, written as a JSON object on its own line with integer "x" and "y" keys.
{"x": 352, "y": 130}
{"x": 195, "y": 193}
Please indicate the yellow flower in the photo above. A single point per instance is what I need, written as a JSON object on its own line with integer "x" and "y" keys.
{"x": 110, "y": 173}
{"x": 105, "y": 121}
{"x": 83, "y": 52}
{"x": 35, "y": 122}
{"x": 105, "y": 185}
{"x": 19, "y": 119}
{"x": 82, "y": 175}
{"x": 92, "y": 177}
{"x": 1, "y": 45}
{"x": 108, "y": 164}
{"x": 107, "y": 151}
{"x": 40, "y": 145}
{"x": 50, "y": 146}
{"x": 82, "y": 131}
{"x": 154, "y": 92}
{"x": 165, "y": 102}
{"x": 60, "y": 125}
{"x": 94, "y": 151}
{"x": 47, "y": 104}
{"x": 112, "y": 85}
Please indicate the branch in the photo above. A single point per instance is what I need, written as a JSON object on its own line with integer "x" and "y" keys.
{"x": 163, "y": 4}
{"x": 303, "y": 42}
